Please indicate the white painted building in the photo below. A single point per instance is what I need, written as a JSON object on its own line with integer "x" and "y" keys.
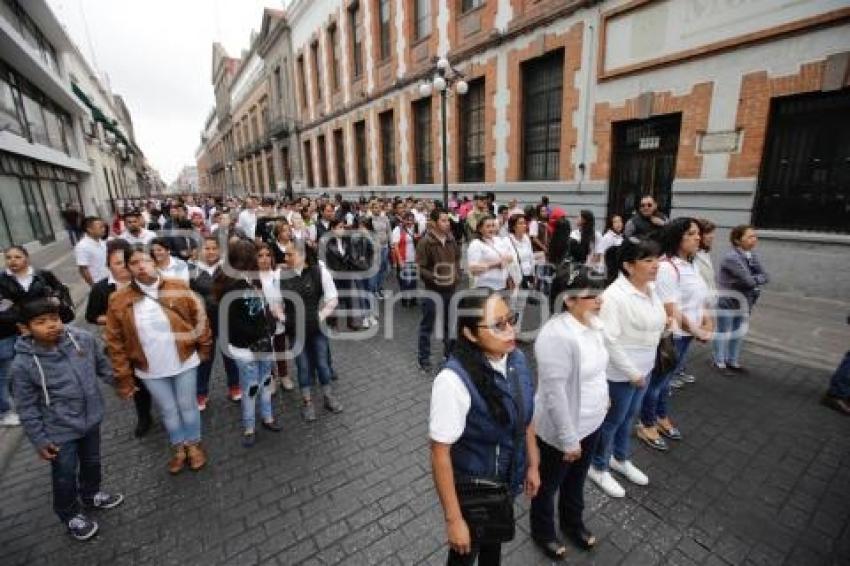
{"x": 47, "y": 99}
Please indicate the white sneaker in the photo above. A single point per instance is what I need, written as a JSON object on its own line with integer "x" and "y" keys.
{"x": 606, "y": 482}
{"x": 10, "y": 419}
{"x": 629, "y": 470}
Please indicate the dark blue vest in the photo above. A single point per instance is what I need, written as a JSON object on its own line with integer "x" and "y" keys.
{"x": 485, "y": 448}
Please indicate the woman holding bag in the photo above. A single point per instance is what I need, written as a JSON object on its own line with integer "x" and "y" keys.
{"x": 482, "y": 437}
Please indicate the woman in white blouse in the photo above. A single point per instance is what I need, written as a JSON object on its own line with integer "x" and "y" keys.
{"x": 634, "y": 319}
{"x": 488, "y": 256}
{"x": 522, "y": 270}
{"x": 613, "y": 235}
{"x": 569, "y": 407}
{"x": 167, "y": 264}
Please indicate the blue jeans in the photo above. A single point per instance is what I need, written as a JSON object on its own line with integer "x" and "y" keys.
{"x": 7, "y": 354}
{"x": 76, "y": 474}
{"x": 839, "y": 385}
{"x": 615, "y": 432}
{"x": 654, "y": 405}
{"x": 729, "y": 337}
{"x": 255, "y": 377}
{"x": 313, "y": 357}
{"x": 176, "y": 398}
{"x": 381, "y": 276}
{"x": 426, "y": 326}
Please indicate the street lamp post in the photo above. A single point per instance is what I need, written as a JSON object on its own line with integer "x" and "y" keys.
{"x": 444, "y": 77}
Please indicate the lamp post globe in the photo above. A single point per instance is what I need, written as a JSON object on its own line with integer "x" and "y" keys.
{"x": 425, "y": 89}
{"x": 462, "y": 87}
{"x": 439, "y": 83}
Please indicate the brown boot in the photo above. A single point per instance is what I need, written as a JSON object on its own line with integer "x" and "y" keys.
{"x": 197, "y": 456}
{"x": 178, "y": 460}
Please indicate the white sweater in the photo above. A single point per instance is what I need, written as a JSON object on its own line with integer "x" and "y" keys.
{"x": 633, "y": 325}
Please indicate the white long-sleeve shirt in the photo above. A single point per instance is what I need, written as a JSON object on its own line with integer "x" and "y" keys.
{"x": 633, "y": 324}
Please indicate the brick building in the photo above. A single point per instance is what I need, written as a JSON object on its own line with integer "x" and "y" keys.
{"x": 739, "y": 112}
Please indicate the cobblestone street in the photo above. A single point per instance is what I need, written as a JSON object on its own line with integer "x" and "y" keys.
{"x": 761, "y": 478}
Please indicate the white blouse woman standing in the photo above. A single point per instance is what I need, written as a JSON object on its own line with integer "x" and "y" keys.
{"x": 488, "y": 257}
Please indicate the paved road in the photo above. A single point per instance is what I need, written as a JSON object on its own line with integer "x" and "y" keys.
{"x": 762, "y": 477}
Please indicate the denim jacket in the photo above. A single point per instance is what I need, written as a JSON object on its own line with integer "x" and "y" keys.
{"x": 485, "y": 449}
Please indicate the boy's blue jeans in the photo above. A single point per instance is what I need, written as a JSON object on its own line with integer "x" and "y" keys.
{"x": 313, "y": 358}
{"x": 76, "y": 474}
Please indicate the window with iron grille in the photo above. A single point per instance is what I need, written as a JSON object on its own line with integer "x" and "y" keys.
{"x": 467, "y": 5}
{"x": 356, "y": 41}
{"x": 270, "y": 169}
{"x": 424, "y": 156}
{"x": 317, "y": 77}
{"x": 323, "y": 161}
{"x": 278, "y": 85}
{"x": 339, "y": 155}
{"x": 303, "y": 76}
{"x": 804, "y": 180}
{"x": 360, "y": 152}
{"x": 335, "y": 56}
{"x": 384, "y": 28}
{"x": 542, "y": 84}
{"x": 472, "y": 133}
{"x": 308, "y": 164}
{"x": 422, "y": 19}
{"x": 387, "y": 126}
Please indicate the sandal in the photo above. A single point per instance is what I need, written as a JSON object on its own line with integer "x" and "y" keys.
{"x": 672, "y": 433}
{"x": 583, "y": 538}
{"x": 553, "y": 549}
{"x": 656, "y": 443}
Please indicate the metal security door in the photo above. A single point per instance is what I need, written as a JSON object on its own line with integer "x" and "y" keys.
{"x": 643, "y": 162}
{"x": 804, "y": 183}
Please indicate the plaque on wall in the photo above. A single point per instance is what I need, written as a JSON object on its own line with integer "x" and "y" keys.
{"x": 719, "y": 142}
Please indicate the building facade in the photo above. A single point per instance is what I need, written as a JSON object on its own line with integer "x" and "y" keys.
{"x": 249, "y": 143}
{"x": 737, "y": 113}
{"x": 62, "y": 140}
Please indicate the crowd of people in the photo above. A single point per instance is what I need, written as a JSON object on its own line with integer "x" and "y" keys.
{"x": 262, "y": 285}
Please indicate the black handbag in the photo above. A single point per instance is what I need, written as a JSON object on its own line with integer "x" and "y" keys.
{"x": 666, "y": 357}
{"x": 487, "y": 505}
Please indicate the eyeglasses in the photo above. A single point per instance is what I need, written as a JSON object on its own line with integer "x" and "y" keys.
{"x": 502, "y": 325}
{"x": 646, "y": 205}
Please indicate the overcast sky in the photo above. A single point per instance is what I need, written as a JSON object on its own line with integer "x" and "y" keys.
{"x": 157, "y": 55}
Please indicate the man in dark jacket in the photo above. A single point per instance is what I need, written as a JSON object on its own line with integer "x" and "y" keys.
{"x": 438, "y": 259}
{"x": 647, "y": 221}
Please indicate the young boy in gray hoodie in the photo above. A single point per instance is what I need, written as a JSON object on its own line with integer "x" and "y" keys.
{"x": 54, "y": 376}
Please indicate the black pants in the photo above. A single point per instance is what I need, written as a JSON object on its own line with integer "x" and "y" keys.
{"x": 566, "y": 478}
{"x": 433, "y": 310}
{"x": 76, "y": 474}
{"x": 488, "y": 555}
{"x": 142, "y": 400}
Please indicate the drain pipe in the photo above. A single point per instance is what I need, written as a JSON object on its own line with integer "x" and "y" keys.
{"x": 591, "y": 41}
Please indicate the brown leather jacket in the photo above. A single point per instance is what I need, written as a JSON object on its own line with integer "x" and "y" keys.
{"x": 185, "y": 312}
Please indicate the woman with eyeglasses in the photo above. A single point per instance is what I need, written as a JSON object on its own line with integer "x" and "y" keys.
{"x": 481, "y": 419}
{"x": 570, "y": 405}
{"x": 634, "y": 319}
{"x": 684, "y": 294}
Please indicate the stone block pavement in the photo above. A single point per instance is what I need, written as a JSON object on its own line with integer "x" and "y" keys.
{"x": 761, "y": 478}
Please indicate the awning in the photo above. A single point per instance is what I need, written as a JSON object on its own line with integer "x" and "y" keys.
{"x": 97, "y": 114}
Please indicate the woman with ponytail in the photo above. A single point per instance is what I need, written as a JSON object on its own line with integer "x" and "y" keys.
{"x": 480, "y": 424}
